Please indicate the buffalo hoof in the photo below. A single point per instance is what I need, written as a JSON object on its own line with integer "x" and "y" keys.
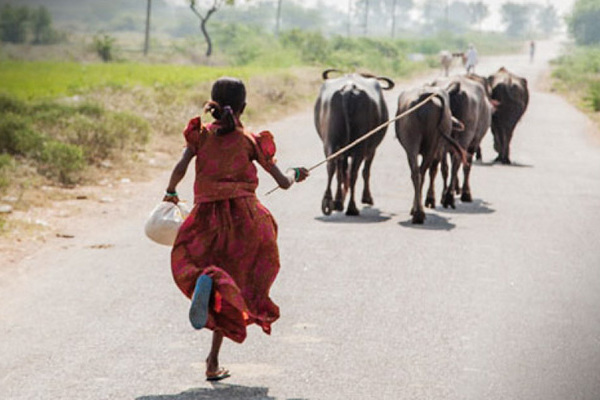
{"x": 506, "y": 161}
{"x": 367, "y": 199}
{"x": 466, "y": 197}
{"x": 430, "y": 202}
{"x": 418, "y": 217}
{"x": 338, "y": 205}
{"x": 448, "y": 200}
{"x": 352, "y": 211}
{"x": 327, "y": 206}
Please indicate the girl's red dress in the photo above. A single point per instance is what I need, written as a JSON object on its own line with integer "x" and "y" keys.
{"x": 229, "y": 234}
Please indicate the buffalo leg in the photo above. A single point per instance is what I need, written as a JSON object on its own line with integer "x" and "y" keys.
{"x": 430, "y": 199}
{"x": 466, "y": 191}
{"x": 448, "y": 198}
{"x": 354, "y": 166}
{"x": 327, "y": 203}
{"x": 417, "y": 212}
{"x": 342, "y": 184}
{"x": 366, "y": 172}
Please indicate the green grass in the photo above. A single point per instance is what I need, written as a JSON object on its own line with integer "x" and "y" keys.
{"x": 47, "y": 79}
{"x": 578, "y": 73}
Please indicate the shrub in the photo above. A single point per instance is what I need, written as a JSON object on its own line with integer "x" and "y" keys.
{"x": 104, "y": 47}
{"x": 594, "y": 96}
{"x": 17, "y": 137}
{"x": 6, "y": 164}
{"x": 61, "y": 161}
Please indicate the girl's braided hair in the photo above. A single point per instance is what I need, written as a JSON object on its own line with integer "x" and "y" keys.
{"x": 228, "y": 98}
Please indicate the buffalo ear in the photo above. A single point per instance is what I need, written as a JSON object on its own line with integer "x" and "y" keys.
{"x": 390, "y": 83}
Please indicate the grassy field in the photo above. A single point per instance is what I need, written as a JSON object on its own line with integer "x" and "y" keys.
{"x": 43, "y": 80}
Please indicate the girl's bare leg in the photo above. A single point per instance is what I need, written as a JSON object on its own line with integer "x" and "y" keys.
{"x": 212, "y": 362}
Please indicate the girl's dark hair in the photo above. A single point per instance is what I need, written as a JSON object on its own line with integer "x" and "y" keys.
{"x": 228, "y": 98}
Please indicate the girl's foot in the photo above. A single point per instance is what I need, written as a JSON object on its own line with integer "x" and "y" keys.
{"x": 200, "y": 300}
{"x": 219, "y": 374}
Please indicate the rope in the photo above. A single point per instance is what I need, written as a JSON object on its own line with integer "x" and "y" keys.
{"x": 365, "y": 137}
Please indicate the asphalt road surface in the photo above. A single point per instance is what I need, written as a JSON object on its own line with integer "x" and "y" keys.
{"x": 497, "y": 299}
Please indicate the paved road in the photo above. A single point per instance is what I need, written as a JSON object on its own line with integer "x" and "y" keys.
{"x": 495, "y": 300}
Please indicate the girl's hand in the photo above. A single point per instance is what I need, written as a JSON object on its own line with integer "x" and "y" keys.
{"x": 171, "y": 197}
{"x": 301, "y": 174}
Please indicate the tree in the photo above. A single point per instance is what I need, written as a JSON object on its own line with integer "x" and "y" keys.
{"x": 583, "y": 22}
{"x": 478, "y": 11}
{"x": 516, "y": 17}
{"x": 13, "y": 24}
{"x": 216, "y": 4}
{"x": 147, "y": 34}
{"x": 278, "y": 18}
{"x": 547, "y": 19}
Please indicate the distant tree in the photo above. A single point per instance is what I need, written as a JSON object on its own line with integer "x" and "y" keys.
{"x": 584, "y": 23}
{"x": 41, "y": 22}
{"x": 516, "y": 17}
{"x": 547, "y": 19}
{"x": 459, "y": 13}
{"x": 14, "y": 24}
{"x": 432, "y": 12}
{"x": 216, "y": 4}
{"x": 478, "y": 12}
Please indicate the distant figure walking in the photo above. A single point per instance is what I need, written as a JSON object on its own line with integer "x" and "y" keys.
{"x": 531, "y": 50}
{"x": 471, "y": 59}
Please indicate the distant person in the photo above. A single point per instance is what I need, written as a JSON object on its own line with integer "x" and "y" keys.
{"x": 531, "y": 50}
{"x": 225, "y": 257}
{"x": 471, "y": 57}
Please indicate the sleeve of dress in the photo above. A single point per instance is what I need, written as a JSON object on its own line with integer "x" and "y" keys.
{"x": 192, "y": 132}
{"x": 265, "y": 149}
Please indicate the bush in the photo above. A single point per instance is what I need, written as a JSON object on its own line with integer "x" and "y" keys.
{"x": 17, "y": 137}
{"x": 104, "y": 47}
{"x": 594, "y": 96}
{"x": 6, "y": 164}
{"x": 61, "y": 161}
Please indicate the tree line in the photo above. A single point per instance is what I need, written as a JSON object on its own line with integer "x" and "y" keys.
{"x": 27, "y": 25}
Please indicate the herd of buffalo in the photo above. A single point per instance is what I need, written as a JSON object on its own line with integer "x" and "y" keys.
{"x": 455, "y": 114}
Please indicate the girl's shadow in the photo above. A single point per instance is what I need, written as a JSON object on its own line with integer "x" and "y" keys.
{"x": 220, "y": 391}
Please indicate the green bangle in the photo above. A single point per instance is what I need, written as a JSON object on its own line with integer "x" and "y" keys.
{"x": 297, "y": 171}
{"x": 171, "y": 194}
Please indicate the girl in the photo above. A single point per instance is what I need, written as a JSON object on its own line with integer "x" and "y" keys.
{"x": 225, "y": 257}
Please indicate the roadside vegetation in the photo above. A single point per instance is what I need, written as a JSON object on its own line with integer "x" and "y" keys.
{"x": 577, "y": 72}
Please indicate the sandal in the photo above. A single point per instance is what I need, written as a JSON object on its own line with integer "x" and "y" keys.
{"x": 199, "y": 307}
{"x": 220, "y": 374}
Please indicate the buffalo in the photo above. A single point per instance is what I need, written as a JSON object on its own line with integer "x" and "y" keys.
{"x": 426, "y": 132}
{"x": 348, "y": 107}
{"x": 512, "y": 95}
{"x": 470, "y": 102}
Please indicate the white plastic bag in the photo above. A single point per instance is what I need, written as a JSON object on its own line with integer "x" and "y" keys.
{"x": 164, "y": 221}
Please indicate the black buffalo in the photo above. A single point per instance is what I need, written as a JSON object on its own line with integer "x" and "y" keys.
{"x": 512, "y": 95}
{"x": 470, "y": 102}
{"x": 347, "y": 108}
{"x": 426, "y": 132}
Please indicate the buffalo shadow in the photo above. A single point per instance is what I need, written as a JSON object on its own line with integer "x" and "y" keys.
{"x": 494, "y": 163}
{"x": 477, "y": 206}
{"x": 219, "y": 391}
{"x": 368, "y": 215}
{"x": 433, "y": 222}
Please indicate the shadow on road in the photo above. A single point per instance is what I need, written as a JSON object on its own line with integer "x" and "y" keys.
{"x": 495, "y": 163}
{"x": 477, "y": 206}
{"x": 368, "y": 215}
{"x": 433, "y": 222}
{"x": 220, "y": 391}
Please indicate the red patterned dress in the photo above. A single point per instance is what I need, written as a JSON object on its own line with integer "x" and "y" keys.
{"x": 229, "y": 234}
